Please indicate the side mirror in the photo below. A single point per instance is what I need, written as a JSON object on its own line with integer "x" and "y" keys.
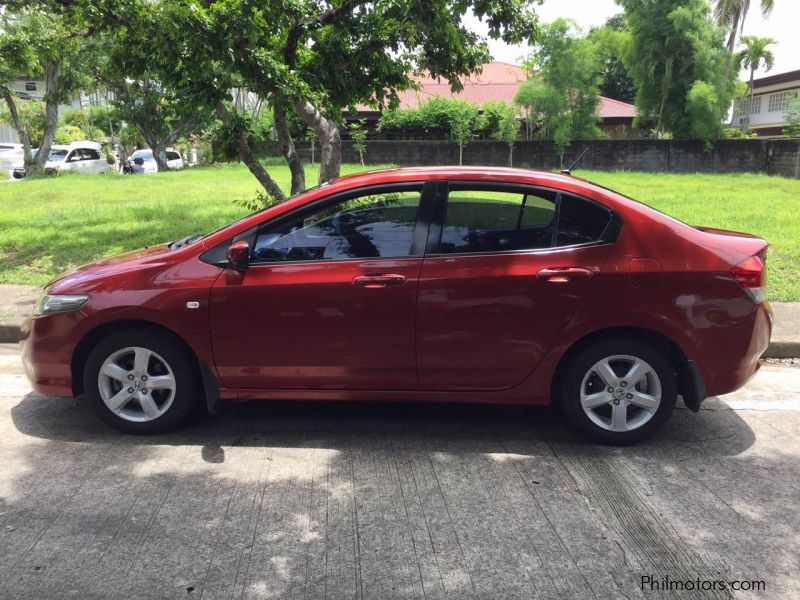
{"x": 239, "y": 255}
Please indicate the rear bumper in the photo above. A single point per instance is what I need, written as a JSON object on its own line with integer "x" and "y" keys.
{"x": 733, "y": 359}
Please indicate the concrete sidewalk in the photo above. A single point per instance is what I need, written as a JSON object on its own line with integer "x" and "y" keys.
{"x": 16, "y": 301}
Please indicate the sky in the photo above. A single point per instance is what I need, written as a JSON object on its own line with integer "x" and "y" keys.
{"x": 782, "y": 25}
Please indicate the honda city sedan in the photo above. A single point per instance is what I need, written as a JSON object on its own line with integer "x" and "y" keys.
{"x": 445, "y": 284}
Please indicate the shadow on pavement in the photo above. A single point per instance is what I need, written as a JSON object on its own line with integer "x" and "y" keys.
{"x": 292, "y": 499}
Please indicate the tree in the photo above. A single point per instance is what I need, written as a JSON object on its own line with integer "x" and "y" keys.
{"x": 565, "y": 92}
{"x": 611, "y": 41}
{"x": 39, "y": 41}
{"x": 463, "y": 121}
{"x": 675, "y": 49}
{"x": 792, "y": 129}
{"x": 499, "y": 121}
{"x": 755, "y": 53}
{"x": 731, "y": 14}
{"x": 358, "y": 134}
{"x": 320, "y": 57}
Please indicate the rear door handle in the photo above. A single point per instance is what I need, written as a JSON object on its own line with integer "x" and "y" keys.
{"x": 378, "y": 281}
{"x": 563, "y": 274}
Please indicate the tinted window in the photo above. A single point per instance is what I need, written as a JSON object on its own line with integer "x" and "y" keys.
{"x": 580, "y": 221}
{"x": 172, "y": 155}
{"x": 379, "y": 225}
{"x": 493, "y": 221}
{"x": 90, "y": 154}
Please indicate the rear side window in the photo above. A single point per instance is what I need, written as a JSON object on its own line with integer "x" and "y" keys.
{"x": 580, "y": 221}
{"x": 172, "y": 155}
{"x": 90, "y": 154}
{"x": 485, "y": 220}
{"x": 495, "y": 221}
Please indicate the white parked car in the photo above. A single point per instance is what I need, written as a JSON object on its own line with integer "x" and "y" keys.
{"x": 77, "y": 157}
{"x": 143, "y": 161}
{"x": 10, "y": 156}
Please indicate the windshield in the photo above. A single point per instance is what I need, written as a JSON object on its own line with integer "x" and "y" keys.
{"x": 145, "y": 154}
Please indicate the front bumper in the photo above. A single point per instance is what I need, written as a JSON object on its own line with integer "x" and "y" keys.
{"x": 46, "y": 348}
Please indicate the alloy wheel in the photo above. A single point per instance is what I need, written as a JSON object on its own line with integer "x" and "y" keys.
{"x": 620, "y": 393}
{"x": 136, "y": 384}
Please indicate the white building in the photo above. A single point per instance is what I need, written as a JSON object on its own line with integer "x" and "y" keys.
{"x": 767, "y": 111}
{"x": 34, "y": 89}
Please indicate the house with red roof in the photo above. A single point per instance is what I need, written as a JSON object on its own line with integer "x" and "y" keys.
{"x": 499, "y": 81}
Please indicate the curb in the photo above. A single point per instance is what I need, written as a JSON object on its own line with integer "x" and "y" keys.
{"x": 9, "y": 334}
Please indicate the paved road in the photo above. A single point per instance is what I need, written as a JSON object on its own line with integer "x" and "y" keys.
{"x": 282, "y": 500}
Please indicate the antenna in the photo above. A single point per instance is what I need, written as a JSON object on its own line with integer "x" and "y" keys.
{"x": 568, "y": 170}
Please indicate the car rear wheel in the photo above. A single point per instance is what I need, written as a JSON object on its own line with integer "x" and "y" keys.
{"x": 140, "y": 382}
{"x": 619, "y": 391}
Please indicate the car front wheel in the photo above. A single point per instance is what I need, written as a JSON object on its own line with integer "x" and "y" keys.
{"x": 619, "y": 391}
{"x": 140, "y": 382}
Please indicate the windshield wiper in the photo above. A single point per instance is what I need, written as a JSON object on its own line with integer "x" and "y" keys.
{"x": 185, "y": 241}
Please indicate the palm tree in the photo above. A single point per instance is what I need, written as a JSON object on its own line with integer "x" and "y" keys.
{"x": 754, "y": 53}
{"x": 731, "y": 14}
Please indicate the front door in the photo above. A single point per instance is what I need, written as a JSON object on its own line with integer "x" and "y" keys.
{"x": 329, "y": 298}
{"x": 507, "y": 269}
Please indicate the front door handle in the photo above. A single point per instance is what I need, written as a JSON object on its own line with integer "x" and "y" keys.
{"x": 378, "y": 281}
{"x": 563, "y": 274}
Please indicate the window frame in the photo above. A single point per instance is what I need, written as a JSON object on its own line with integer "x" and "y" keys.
{"x": 217, "y": 255}
{"x": 608, "y": 235}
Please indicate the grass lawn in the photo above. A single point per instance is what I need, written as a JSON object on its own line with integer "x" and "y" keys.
{"x": 48, "y": 226}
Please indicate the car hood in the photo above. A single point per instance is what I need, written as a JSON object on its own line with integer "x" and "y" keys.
{"x": 83, "y": 277}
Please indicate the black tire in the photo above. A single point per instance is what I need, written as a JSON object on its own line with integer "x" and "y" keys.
{"x": 586, "y": 359}
{"x": 185, "y": 377}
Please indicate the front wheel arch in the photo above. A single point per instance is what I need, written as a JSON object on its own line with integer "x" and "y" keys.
{"x": 92, "y": 337}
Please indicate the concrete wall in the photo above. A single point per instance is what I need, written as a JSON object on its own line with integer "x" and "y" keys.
{"x": 775, "y": 157}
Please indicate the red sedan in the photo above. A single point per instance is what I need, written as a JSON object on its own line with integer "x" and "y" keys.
{"x": 432, "y": 284}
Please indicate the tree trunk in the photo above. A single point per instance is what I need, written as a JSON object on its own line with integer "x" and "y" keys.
{"x": 460, "y": 154}
{"x": 330, "y": 143}
{"x": 24, "y": 138}
{"x": 50, "y": 117}
{"x": 288, "y": 149}
{"x": 248, "y": 158}
{"x": 797, "y": 162}
{"x": 160, "y": 155}
{"x": 511, "y": 155}
{"x": 750, "y": 107}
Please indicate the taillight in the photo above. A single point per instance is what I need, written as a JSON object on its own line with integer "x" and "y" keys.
{"x": 750, "y": 273}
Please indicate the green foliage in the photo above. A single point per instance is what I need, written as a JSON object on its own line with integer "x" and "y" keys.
{"x": 734, "y": 133}
{"x": 457, "y": 117}
{"x": 792, "y": 128}
{"x": 31, "y": 114}
{"x": 611, "y": 40}
{"x": 674, "y": 46}
{"x": 565, "y": 94}
{"x": 358, "y": 134}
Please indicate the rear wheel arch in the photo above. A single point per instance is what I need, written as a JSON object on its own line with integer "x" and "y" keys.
{"x": 669, "y": 348}
{"x": 92, "y": 337}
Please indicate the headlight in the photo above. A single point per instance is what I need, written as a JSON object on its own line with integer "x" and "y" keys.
{"x": 48, "y": 304}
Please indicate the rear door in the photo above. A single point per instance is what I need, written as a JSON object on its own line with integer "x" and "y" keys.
{"x": 506, "y": 268}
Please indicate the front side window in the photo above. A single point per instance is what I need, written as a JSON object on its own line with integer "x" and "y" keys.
{"x": 494, "y": 221}
{"x": 375, "y": 225}
{"x": 173, "y": 155}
